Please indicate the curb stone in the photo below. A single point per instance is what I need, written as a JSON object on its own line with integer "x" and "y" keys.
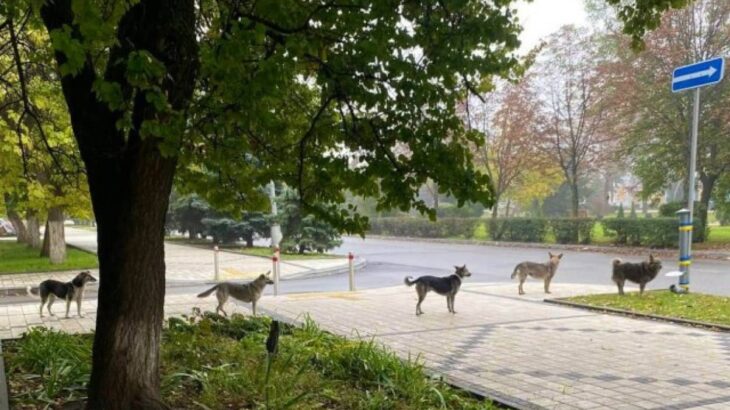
{"x": 645, "y": 316}
{"x": 623, "y": 250}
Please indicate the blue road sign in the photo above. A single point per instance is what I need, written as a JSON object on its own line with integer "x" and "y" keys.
{"x": 700, "y": 74}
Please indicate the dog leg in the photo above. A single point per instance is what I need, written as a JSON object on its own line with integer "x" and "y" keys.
{"x": 68, "y": 306}
{"x": 642, "y": 285}
{"x": 253, "y": 307}
{"x": 78, "y": 307}
{"x": 620, "y": 285}
{"x": 421, "y": 296}
{"x": 522, "y": 282}
{"x": 547, "y": 284}
{"x": 51, "y": 299}
{"x": 43, "y": 302}
{"x": 453, "y": 299}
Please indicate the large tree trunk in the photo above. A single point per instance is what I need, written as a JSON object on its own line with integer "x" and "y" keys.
{"x": 17, "y": 222}
{"x": 130, "y": 183}
{"x": 574, "y": 199}
{"x": 55, "y": 235}
{"x": 708, "y": 184}
{"x": 495, "y": 207}
{"x": 34, "y": 234}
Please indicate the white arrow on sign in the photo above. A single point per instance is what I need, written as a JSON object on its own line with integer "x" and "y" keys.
{"x": 704, "y": 73}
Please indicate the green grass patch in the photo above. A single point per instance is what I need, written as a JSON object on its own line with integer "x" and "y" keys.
{"x": 719, "y": 235}
{"x": 20, "y": 258}
{"x": 692, "y": 306}
{"x": 217, "y": 363}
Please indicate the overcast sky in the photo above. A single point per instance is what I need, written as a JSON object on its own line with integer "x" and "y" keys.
{"x": 543, "y": 17}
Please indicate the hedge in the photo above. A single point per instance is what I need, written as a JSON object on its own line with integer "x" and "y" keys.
{"x": 660, "y": 232}
{"x": 573, "y": 230}
{"x": 518, "y": 229}
{"x": 424, "y": 228}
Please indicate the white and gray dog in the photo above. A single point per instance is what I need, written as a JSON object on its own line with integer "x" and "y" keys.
{"x": 445, "y": 286}
{"x": 248, "y": 292}
{"x": 51, "y": 289}
{"x": 545, "y": 271}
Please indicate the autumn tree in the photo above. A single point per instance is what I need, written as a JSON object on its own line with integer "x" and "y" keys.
{"x": 570, "y": 83}
{"x": 509, "y": 151}
{"x": 233, "y": 94}
{"x": 658, "y": 140}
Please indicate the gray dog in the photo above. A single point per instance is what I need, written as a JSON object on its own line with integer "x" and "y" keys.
{"x": 446, "y": 286}
{"x": 51, "y": 289}
{"x": 641, "y": 273}
{"x": 545, "y": 271}
{"x": 247, "y": 292}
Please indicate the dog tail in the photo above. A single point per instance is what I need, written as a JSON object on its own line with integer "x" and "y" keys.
{"x": 32, "y": 291}
{"x": 208, "y": 292}
{"x": 409, "y": 281}
{"x": 514, "y": 273}
{"x": 616, "y": 262}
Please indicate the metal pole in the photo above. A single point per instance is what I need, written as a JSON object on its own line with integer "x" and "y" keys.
{"x": 351, "y": 260}
{"x": 687, "y": 221}
{"x": 275, "y": 268}
{"x": 215, "y": 262}
{"x": 275, "y": 227}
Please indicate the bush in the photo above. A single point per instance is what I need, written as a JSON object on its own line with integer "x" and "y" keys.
{"x": 518, "y": 229}
{"x": 424, "y": 228}
{"x": 467, "y": 211}
{"x": 573, "y": 230}
{"x": 661, "y": 232}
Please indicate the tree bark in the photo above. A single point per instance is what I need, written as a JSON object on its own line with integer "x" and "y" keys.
{"x": 17, "y": 222}
{"x": 56, "y": 236}
{"x": 130, "y": 183}
{"x": 46, "y": 247}
{"x": 34, "y": 234}
{"x": 495, "y": 207}
{"x": 708, "y": 184}
{"x": 574, "y": 199}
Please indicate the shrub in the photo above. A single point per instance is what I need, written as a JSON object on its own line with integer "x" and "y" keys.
{"x": 660, "y": 232}
{"x": 471, "y": 210}
{"x": 518, "y": 229}
{"x": 573, "y": 230}
{"x": 424, "y": 228}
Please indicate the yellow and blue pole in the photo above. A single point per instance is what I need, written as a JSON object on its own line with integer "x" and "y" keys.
{"x": 685, "y": 247}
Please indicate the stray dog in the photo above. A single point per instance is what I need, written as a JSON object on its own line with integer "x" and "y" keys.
{"x": 51, "y": 289}
{"x": 446, "y": 286}
{"x": 247, "y": 292}
{"x": 545, "y": 271}
{"x": 641, "y": 273}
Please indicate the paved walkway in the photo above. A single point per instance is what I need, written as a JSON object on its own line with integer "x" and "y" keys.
{"x": 518, "y": 349}
{"x": 188, "y": 263}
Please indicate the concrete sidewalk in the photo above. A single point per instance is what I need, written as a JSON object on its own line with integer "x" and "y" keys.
{"x": 518, "y": 350}
{"x": 190, "y": 263}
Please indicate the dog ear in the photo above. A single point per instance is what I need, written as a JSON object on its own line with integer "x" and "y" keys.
{"x": 268, "y": 273}
{"x": 550, "y": 254}
{"x": 651, "y": 258}
{"x": 560, "y": 256}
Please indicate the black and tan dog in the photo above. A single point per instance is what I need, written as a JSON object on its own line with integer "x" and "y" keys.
{"x": 641, "y": 273}
{"x": 51, "y": 289}
{"x": 247, "y": 292}
{"x": 445, "y": 286}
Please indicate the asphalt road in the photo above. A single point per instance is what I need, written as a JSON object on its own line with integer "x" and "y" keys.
{"x": 388, "y": 261}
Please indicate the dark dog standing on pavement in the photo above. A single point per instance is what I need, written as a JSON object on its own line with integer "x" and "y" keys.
{"x": 445, "y": 286}
{"x": 545, "y": 271}
{"x": 641, "y": 273}
{"x": 248, "y": 292}
{"x": 51, "y": 289}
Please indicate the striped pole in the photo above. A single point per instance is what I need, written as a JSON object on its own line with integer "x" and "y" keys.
{"x": 275, "y": 268}
{"x": 685, "y": 247}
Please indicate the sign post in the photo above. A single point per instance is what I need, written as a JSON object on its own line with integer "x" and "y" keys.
{"x": 693, "y": 76}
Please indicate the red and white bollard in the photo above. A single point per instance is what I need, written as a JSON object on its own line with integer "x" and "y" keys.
{"x": 275, "y": 270}
{"x": 351, "y": 260}
{"x": 215, "y": 262}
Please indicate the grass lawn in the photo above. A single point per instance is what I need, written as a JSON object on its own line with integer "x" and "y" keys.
{"x": 216, "y": 363}
{"x": 693, "y": 306}
{"x": 255, "y": 251}
{"x": 719, "y": 235}
{"x": 19, "y": 258}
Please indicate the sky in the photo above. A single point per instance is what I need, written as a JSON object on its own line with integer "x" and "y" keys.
{"x": 541, "y": 18}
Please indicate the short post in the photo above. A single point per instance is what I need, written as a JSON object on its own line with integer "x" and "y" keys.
{"x": 215, "y": 262}
{"x": 685, "y": 247}
{"x": 351, "y": 260}
{"x": 277, "y": 253}
{"x": 275, "y": 269}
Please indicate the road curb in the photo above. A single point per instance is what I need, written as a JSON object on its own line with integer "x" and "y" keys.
{"x": 623, "y": 250}
{"x": 645, "y": 316}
